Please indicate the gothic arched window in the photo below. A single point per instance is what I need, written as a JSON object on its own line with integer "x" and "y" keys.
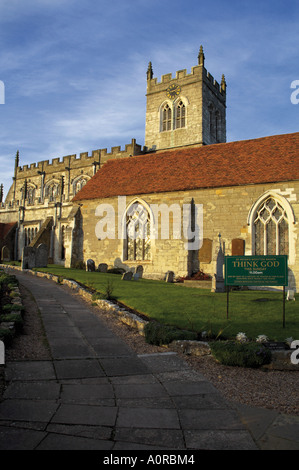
{"x": 30, "y": 195}
{"x": 180, "y": 120}
{"x": 271, "y": 229}
{"x": 52, "y": 191}
{"x": 137, "y": 240}
{"x": 78, "y": 184}
{"x": 166, "y": 118}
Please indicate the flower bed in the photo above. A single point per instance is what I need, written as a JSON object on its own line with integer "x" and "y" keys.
{"x": 11, "y": 308}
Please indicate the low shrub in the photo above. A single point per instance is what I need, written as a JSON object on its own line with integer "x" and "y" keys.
{"x": 231, "y": 353}
{"x": 158, "y": 334}
{"x": 13, "y": 308}
{"x": 16, "y": 318}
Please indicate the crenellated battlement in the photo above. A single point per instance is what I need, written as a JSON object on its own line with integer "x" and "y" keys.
{"x": 74, "y": 161}
{"x": 197, "y": 72}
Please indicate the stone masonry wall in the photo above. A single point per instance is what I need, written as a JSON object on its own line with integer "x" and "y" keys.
{"x": 225, "y": 211}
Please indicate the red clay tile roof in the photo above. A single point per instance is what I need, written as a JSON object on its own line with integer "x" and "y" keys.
{"x": 263, "y": 160}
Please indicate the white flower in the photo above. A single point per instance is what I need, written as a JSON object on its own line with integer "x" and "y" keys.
{"x": 241, "y": 337}
{"x": 262, "y": 339}
{"x": 289, "y": 341}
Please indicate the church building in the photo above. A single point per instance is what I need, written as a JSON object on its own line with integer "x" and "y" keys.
{"x": 168, "y": 205}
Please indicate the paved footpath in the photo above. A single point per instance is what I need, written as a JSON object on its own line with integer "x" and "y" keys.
{"x": 97, "y": 394}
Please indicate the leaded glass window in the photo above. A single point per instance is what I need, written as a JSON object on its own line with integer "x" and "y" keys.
{"x": 166, "y": 118}
{"x": 180, "y": 115}
{"x": 271, "y": 229}
{"x": 137, "y": 241}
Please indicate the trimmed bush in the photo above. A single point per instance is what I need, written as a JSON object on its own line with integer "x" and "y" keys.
{"x": 231, "y": 353}
{"x": 158, "y": 334}
{"x": 13, "y": 308}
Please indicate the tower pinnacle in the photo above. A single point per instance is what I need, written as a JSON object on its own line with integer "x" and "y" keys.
{"x": 149, "y": 72}
{"x": 201, "y": 57}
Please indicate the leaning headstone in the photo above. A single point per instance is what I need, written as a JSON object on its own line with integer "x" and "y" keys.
{"x": 291, "y": 295}
{"x": 41, "y": 257}
{"x": 2, "y": 353}
{"x": 127, "y": 276}
{"x": 90, "y": 266}
{"x": 218, "y": 284}
{"x": 169, "y": 276}
{"x": 102, "y": 268}
{"x": 139, "y": 270}
{"x": 28, "y": 257}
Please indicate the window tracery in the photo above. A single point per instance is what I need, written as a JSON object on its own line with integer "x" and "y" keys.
{"x": 271, "y": 229}
{"x": 137, "y": 240}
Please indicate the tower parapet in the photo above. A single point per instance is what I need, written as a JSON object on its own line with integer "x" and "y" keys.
{"x": 197, "y": 95}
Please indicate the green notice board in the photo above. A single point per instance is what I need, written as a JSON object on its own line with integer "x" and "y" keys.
{"x": 256, "y": 270}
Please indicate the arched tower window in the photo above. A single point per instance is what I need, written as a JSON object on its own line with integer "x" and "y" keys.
{"x": 271, "y": 229}
{"x": 180, "y": 120}
{"x": 166, "y": 118}
{"x": 137, "y": 240}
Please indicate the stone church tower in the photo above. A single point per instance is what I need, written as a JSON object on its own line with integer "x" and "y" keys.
{"x": 189, "y": 109}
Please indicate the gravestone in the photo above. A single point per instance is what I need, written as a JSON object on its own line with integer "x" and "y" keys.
{"x": 41, "y": 256}
{"x": 238, "y": 247}
{"x": 127, "y": 276}
{"x": 291, "y": 295}
{"x": 28, "y": 257}
{"x": 218, "y": 281}
{"x": 139, "y": 270}
{"x": 103, "y": 267}
{"x": 205, "y": 252}
{"x": 169, "y": 276}
{"x": 90, "y": 266}
{"x": 2, "y": 353}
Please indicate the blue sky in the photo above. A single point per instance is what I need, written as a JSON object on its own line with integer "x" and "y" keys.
{"x": 75, "y": 72}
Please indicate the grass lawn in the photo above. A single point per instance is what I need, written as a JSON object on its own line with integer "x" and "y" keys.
{"x": 251, "y": 312}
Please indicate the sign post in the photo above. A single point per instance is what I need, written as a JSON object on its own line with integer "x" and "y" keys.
{"x": 257, "y": 271}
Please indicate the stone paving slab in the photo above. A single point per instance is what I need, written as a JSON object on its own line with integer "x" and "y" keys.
{"x": 78, "y": 368}
{"x": 19, "y": 439}
{"x": 30, "y": 370}
{"x": 148, "y": 418}
{"x": 46, "y": 390}
{"x": 65, "y": 442}
{"x": 28, "y": 410}
{"x": 85, "y": 414}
